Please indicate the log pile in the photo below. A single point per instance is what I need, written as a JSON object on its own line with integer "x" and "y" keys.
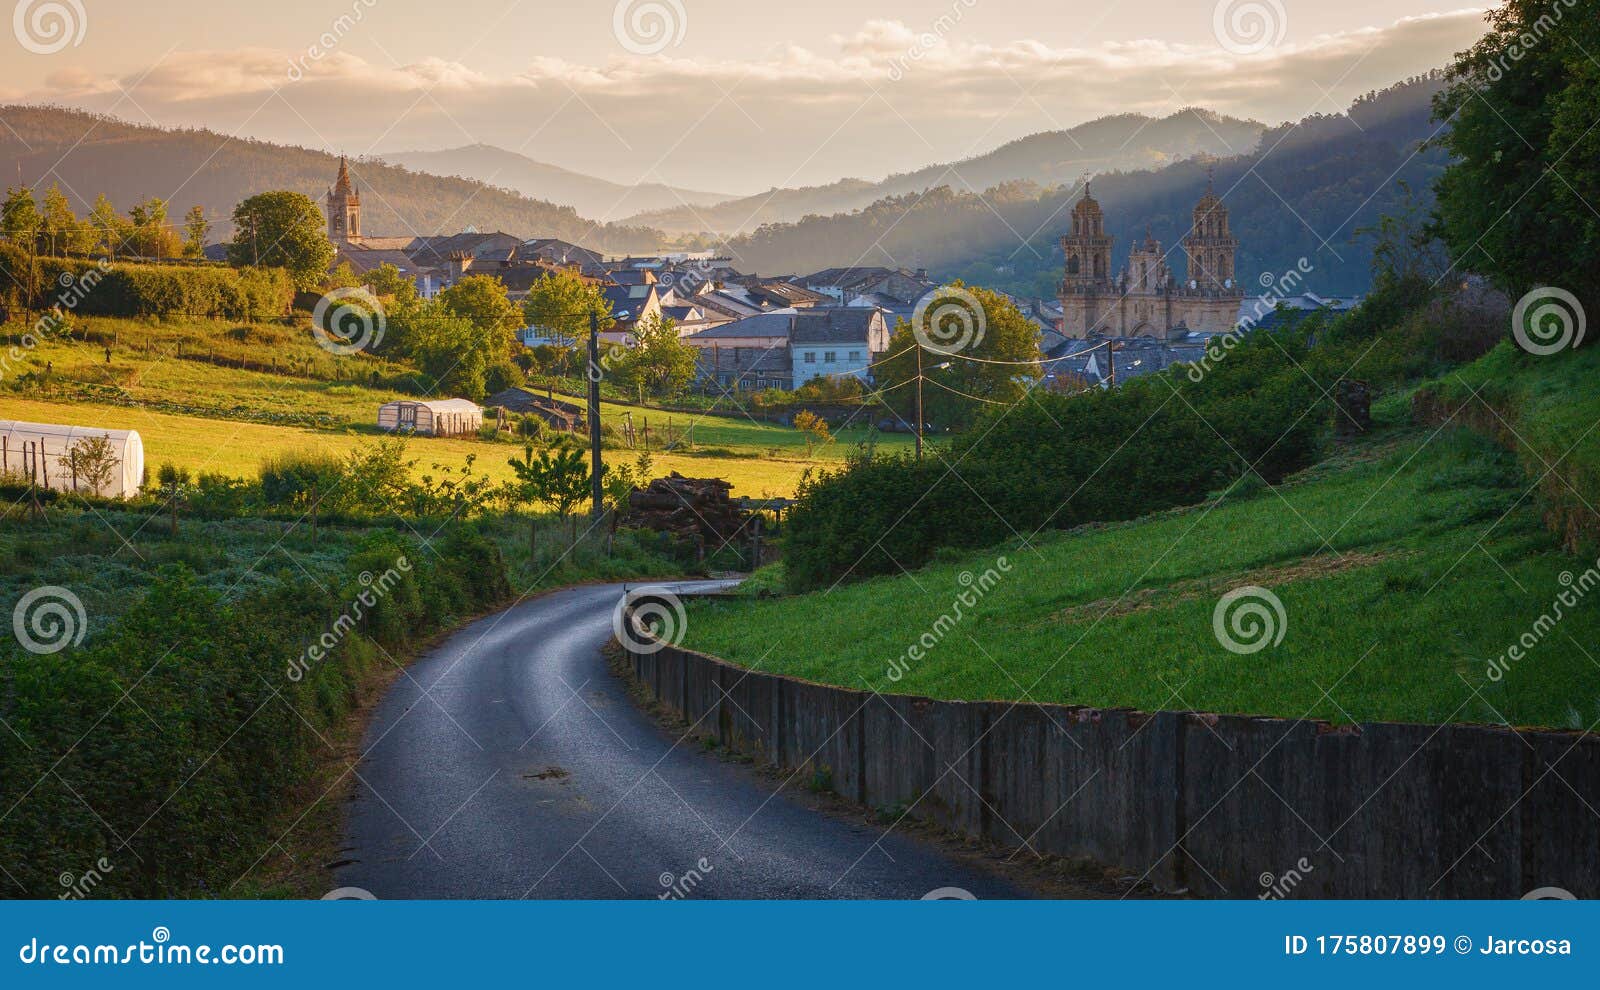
{"x": 696, "y": 510}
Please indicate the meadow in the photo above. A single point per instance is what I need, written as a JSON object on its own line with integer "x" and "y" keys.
{"x": 180, "y": 385}
{"x": 1406, "y": 565}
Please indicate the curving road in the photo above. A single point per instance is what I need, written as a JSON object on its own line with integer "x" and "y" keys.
{"x": 510, "y": 763}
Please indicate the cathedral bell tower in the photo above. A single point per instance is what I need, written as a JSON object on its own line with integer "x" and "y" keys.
{"x": 1211, "y": 247}
{"x": 1086, "y": 287}
{"x": 344, "y": 208}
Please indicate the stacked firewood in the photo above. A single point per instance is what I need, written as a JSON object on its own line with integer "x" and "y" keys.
{"x": 695, "y": 510}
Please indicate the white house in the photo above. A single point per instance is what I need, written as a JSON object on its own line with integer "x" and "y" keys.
{"x": 836, "y": 342}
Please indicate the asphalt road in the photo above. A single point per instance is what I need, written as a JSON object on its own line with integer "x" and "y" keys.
{"x": 510, "y": 763}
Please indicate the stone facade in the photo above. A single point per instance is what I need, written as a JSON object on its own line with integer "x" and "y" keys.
{"x": 1146, "y": 299}
{"x": 344, "y": 209}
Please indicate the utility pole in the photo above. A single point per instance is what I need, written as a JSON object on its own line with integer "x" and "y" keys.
{"x": 919, "y": 402}
{"x": 594, "y": 414}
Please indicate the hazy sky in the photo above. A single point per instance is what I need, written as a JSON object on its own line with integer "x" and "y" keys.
{"x": 727, "y": 95}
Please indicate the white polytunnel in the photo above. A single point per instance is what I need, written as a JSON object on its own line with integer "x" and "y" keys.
{"x": 69, "y": 458}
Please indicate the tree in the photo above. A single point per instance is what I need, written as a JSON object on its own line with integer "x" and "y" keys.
{"x": 19, "y": 218}
{"x": 387, "y": 280}
{"x": 1513, "y": 203}
{"x": 815, "y": 429}
{"x": 559, "y": 305}
{"x": 658, "y": 363}
{"x": 282, "y": 230}
{"x": 959, "y": 383}
{"x": 60, "y": 232}
{"x": 150, "y": 236}
{"x": 482, "y": 299}
{"x": 93, "y": 462}
{"x": 107, "y": 227}
{"x": 196, "y": 229}
{"x": 560, "y": 481}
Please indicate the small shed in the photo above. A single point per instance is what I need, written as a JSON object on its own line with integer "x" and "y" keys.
{"x": 431, "y": 417}
{"x": 67, "y": 458}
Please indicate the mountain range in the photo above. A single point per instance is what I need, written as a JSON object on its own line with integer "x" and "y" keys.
{"x": 592, "y": 197}
{"x": 1295, "y": 191}
{"x": 1303, "y": 191}
{"x": 89, "y": 154}
{"x": 1125, "y": 142}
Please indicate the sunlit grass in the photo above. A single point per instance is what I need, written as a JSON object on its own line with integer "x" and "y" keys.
{"x": 1403, "y": 571}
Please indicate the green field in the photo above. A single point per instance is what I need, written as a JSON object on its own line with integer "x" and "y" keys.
{"x": 202, "y": 415}
{"x": 1405, "y": 566}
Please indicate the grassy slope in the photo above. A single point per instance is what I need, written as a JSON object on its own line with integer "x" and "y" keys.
{"x": 1435, "y": 569}
{"x": 207, "y": 417}
{"x": 1547, "y": 409}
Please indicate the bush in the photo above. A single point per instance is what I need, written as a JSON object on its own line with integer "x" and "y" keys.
{"x": 1058, "y": 461}
{"x": 125, "y": 290}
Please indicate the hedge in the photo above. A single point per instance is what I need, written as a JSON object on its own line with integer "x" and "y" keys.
{"x": 100, "y": 289}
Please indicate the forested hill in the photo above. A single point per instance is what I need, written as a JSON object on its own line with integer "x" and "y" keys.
{"x": 1302, "y": 192}
{"x": 1124, "y": 141}
{"x": 91, "y": 154}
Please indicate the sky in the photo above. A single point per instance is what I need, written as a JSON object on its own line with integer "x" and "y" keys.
{"x": 732, "y": 96}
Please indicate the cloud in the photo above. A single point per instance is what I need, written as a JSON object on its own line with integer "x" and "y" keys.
{"x": 887, "y": 97}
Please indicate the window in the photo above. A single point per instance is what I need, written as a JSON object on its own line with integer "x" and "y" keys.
{"x": 855, "y": 355}
{"x": 830, "y": 357}
{"x": 811, "y": 357}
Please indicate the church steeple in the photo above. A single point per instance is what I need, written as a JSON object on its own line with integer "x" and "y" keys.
{"x": 1211, "y": 247}
{"x": 344, "y": 207}
{"x": 1087, "y": 248}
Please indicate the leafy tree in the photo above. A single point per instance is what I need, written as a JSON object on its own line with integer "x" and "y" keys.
{"x": 60, "y": 232}
{"x": 93, "y": 462}
{"x": 560, "y": 303}
{"x": 659, "y": 363}
{"x": 1514, "y": 202}
{"x": 815, "y": 429}
{"x": 282, "y": 230}
{"x": 150, "y": 234}
{"x": 19, "y": 218}
{"x": 386, "y": 280}
{"x": 559, "y": 480}
{"x": 196, "y": 230}
{"x": 108, "y": 227}
{"x": 482, "y": 299}
{"x": 959, "y": 386}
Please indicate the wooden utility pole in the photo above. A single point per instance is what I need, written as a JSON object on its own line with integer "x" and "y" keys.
{"x": 595, "y": 467}
{"x": 919, "y": 402}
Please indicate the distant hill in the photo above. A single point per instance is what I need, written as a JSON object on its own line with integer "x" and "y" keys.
{"x": 1125, "y": 141}
{"x": 1325, "y": 178}
{"x": 90, "y": 154}
{"x": 591, "y": 197}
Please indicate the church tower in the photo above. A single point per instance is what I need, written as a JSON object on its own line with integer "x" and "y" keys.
{"x": 1086, "y": 289}
{"x": 344, "y": 208}
{"x": 1211, "y": 247}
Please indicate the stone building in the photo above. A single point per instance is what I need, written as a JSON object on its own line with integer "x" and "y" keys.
{"x": 1146, "y": 299}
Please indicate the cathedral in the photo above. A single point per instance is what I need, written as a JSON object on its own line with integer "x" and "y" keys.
{"x": 1146, "y": 299}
